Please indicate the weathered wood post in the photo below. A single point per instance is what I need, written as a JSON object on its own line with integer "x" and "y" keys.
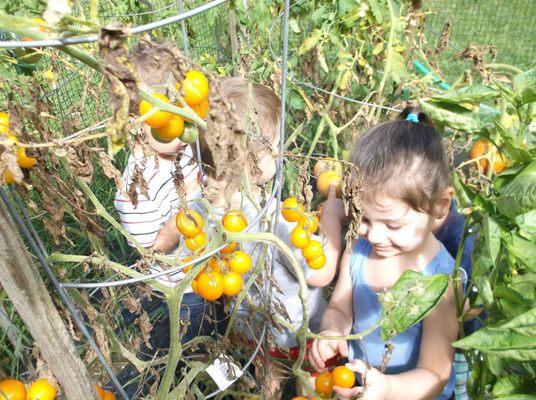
{"x": 21, "y": 280}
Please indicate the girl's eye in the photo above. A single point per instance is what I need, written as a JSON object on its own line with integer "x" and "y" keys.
{"x": 394, "y": 227}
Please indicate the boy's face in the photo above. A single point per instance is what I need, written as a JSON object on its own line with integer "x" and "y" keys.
{"x": 393, "y": 227}
{"x": 266, "y": 164}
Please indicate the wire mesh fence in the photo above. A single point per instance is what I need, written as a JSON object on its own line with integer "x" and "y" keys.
{"x": 508, "y": 26}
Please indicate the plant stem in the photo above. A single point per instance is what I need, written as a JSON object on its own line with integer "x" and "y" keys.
{"x": 162, "y": 105}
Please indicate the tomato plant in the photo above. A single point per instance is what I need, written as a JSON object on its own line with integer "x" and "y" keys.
{"x": 500, "y": 207}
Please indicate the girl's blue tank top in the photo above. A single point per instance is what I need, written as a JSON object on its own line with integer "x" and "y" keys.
{"x": 368, "y": 311}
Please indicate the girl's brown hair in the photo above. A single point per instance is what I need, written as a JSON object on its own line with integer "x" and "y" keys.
{"x": 405, "y": 158}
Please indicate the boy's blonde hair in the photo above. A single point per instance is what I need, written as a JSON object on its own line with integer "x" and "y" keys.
{"x": 257, "y": 110}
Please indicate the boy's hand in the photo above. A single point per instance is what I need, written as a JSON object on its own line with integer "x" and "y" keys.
{"x": 377, "y": 384}
{"x": 324, "y": 349}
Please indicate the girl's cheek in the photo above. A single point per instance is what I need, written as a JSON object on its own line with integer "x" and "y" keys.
{"x": 362, "y": 230}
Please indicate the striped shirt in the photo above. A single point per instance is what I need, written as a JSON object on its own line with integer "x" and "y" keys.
{"x": 157, "y": 198}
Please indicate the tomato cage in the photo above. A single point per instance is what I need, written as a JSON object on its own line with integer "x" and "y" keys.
{"x": 65, "y": 214}
{"x": 185, "y": 25}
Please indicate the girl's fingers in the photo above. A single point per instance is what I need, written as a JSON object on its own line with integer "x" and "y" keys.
{"x": 332, "y": 192}
{"x": 315, "y": 358}
{"x": 342, "y": 347}
{"x": 345, "y": 393}
{"x": 325, "y": 351}
{"x": 357, "y": 366}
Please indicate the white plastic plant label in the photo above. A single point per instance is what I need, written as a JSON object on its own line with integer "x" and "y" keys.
{"x": 224, "y": 371}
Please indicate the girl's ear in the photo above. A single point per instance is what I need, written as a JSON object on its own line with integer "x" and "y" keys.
{"x": 443, "y": 202}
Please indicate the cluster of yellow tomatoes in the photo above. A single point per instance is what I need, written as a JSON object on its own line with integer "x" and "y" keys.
{"x": 300, "y": 237}
{"x": 22, "y": 159}
{"x": 167, "y": 126}
{"x": 41, "y": 389}
{"x": 327, "y": 173}
{"x": 222, "y": 274}
{"x": 324, "y": 382}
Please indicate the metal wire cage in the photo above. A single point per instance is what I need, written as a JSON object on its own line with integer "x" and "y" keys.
{"x": 203, "y": 33}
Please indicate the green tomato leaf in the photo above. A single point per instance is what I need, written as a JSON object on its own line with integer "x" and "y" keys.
{"x": 525, "y": 84}
{"x": 527, "y": 224}
{"x": 519, "y": 196}
{"x": 524, "y": 250}
{"x": 470, "y": 123}
{"x": 310, "y": 42}
{"x": 464, "y": 195}
{"x": 515, "y": 340}
{"x": 470, "y": 94}
{"x": 492, "y": 235}
{"x": 484, "y": 290}
{"x": 512, "y": 385}
{"x": 411, "y": 299}
{"x": 482, "y": 262}
{"x": 376, "y": 9}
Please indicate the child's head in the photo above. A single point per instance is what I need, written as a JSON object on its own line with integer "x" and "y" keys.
{"x": 406, "y": 180}
{"x": 257, "y": 110}
{"x": 154, "y": 75}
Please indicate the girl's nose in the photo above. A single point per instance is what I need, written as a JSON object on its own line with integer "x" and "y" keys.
{"x": 375, "y": 234}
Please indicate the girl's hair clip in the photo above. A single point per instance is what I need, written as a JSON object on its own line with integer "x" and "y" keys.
{"x": 413, "y": 117}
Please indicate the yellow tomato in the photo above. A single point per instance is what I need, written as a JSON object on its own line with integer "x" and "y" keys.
{"x": 23, "y": 160}
{"x": 202, "y": 109}
{"x": 41, "y": 389}
{"x": 232, "y": 283}
{"x": 172, "y": 130}
{"x": 239, "y": 262}
{"x": 318, "y": 262}
{"x": 326, "y": 179}
{"x": 292, "y": 210}
{"x": 159, "y": 118}
{"x": 196, "y": 242}
{"x": 300, "y": 237}
{"x": 12, "y": 389}
{"x": 210, "y": 285}
{"x": 196, "y": 88}
{"x": 4, "y": 120}
{"x": 234, "y": 221}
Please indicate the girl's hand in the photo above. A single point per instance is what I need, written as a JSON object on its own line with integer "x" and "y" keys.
{"x": 324, "y": 349}
{"x": 333, "y": 206}
{"x": 377, "y": 384}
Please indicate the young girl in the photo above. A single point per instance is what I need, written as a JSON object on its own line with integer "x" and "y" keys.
{"x": 407, "y": 195}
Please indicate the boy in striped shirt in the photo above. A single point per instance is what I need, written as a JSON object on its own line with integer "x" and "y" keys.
{"x": 147, "y": 204}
